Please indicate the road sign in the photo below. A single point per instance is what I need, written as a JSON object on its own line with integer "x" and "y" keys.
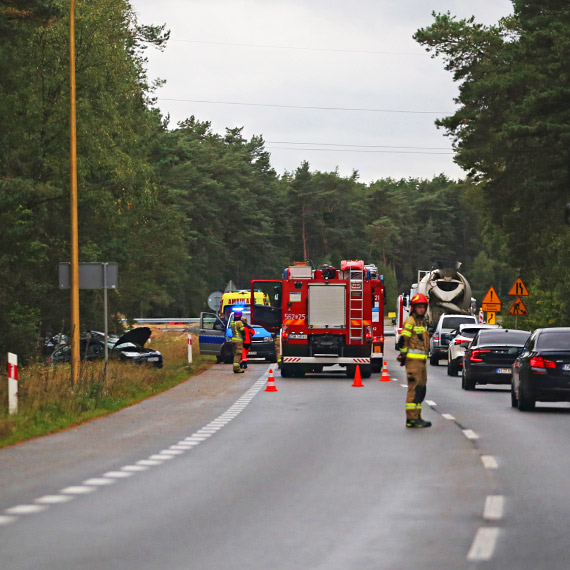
{"x": 518, "y": 308}
{"x": 491, "y": 301}
{"x": 491, "y": 318}
{"x": 91, "y": 275}
{"x": 215, "y": 300}
{"x": 518, "y": 289}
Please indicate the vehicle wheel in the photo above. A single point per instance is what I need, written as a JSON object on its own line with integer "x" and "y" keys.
{"x": 376, "y": 365}
{"x": 299, "y": 372}
{"x": 350, "y": 371}
{"x": 514, "y": 401}
{"x": 285, "y": 372}
{"x": 467, "y": 383}
{"x": 525, "y": 404}
{"x": 218, "y": 358}
{"x": 366, "y": 371}
{"x": 452, "y": 368}
{"x": 434, "y": 359}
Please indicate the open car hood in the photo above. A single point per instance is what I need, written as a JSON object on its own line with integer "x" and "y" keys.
{"x": 137, "y": 336}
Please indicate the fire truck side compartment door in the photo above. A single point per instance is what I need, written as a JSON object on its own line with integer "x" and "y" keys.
{"x": 327, "y": 305}
{"x": 268, "y": 315}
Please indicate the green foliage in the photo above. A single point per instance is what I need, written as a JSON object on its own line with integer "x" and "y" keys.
{"x": 512, "y": 134}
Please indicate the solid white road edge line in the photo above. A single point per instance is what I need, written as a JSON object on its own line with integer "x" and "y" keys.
{"x": 489, "y": 462}
{"x": 494, "y": 506}
{"x": 483, "y": 545}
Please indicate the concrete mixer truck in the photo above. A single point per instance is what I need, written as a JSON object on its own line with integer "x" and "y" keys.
{"x": 450, "y": 304}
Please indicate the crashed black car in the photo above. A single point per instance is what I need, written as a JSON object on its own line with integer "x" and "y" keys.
{"x": 129, "y": 347}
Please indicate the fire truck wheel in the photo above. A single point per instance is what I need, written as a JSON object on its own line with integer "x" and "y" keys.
{"x": 285, "y": 372}
{"x": 377, "y": 365}
{"x": 299, "y": 372}
{"x": 366, "y": 371}
{"x": 350, "y": 371}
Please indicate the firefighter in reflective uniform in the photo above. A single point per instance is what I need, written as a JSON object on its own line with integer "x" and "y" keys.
{"x": 237, "y": 341}
{"x": 414, "y": 345}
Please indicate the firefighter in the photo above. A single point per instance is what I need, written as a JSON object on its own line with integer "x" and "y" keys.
{"x": 248, "y": 331}
{"x": 414, "y": 345}
{"x": 237, "y": 341}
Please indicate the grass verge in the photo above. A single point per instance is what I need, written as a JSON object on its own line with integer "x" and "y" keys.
{"x": 47, "y": 402}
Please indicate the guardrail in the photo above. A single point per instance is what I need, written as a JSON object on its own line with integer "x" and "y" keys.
{"x": 167, "y": 321}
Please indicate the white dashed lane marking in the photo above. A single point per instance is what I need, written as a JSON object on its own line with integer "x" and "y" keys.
{"x": 54, "y": 499}
{"x": 447, "y": 417}
{"x": 91, "y": 485}
{"x": 25, "y": 509}
{"x": 483, "y": 545}
{"x": 494, "y": 506}
{"x": 78, "y": 490}
{"x": 470, "y": 434}
{"x": 431, "y": 403}
{"x": 489, "y": 462}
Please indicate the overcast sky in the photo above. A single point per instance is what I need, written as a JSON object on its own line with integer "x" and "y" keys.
{"x": 198, "y": 65}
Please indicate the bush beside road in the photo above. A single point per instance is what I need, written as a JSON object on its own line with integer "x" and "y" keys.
{"x": 48, "y": 403}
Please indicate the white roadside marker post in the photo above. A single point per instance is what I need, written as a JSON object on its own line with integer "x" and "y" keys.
{"x": 12, "y": 383}
{"x": 189, "y": 348}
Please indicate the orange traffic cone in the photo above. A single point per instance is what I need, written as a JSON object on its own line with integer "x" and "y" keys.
{"x": 357, "y": 379}
{"x": 385, "y": 377}
{"x": 271, "y": 382}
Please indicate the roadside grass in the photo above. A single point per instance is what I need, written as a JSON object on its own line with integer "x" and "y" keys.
{"x": 47, "y": 402}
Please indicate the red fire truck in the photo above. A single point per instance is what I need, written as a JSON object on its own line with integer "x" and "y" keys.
{"x": 325, "y": 316}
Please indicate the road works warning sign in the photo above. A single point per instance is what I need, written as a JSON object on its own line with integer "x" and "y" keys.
{"x": 518, "y": 289}
{"x": 491, "y": 301}
{"x": 518, "y": 308}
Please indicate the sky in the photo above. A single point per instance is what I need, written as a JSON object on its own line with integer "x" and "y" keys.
{"x": 277, "y": 54}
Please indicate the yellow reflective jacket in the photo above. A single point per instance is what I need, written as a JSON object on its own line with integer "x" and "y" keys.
{"x": 416, "y": 338}
{"x": 237, "y": 331}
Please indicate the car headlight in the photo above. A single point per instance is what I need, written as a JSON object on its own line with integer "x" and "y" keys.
{"x": 131, "y": 354}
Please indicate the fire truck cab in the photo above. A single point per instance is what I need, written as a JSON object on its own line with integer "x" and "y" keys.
{"x": 324, "y": 316}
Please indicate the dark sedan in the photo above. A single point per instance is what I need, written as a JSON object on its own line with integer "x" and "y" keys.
{"x": 490, "y": 356}
{"x": 542, "y": 371}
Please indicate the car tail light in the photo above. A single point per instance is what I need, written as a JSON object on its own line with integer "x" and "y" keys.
{"x": 436, "y": 336}
{"x": 540, "y": 364}
{"x": 476, "y": 355}
{"x": 459, "y": 341}
{"x": 369, "y": 334}
{"x": 285, "y": 333}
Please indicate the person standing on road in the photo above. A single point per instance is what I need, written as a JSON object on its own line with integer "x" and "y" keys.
{"x": 414, "y": 345}
{"x": 248, "y": 331}
{"x": 237, "y": 341}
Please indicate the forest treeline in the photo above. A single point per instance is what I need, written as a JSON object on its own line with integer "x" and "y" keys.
{"x": 183, "y": 209}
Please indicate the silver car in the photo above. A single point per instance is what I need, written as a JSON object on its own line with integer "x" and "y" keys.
{"x": 439, "y": 342}
{"x": 459, "y": 342}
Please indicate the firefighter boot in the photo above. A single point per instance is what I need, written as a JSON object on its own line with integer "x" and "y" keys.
{"x": 419, "y": 423}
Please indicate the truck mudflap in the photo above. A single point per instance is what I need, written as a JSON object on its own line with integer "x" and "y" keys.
{"x": 324, "y": 360}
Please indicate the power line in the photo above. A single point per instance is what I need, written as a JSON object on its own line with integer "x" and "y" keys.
{"x": 354, "y": 150}
{"x": 362, "y": 145}
{"x": 300, "y": 48}
{"x": 361, "y": 109}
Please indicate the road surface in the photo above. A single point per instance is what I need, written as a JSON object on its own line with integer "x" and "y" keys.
{"x": 319, "y": 475}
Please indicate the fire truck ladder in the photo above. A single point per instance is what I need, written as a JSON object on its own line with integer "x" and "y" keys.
{"x": 356, "y": 304}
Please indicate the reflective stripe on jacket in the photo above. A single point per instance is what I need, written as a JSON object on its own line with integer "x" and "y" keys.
{"x": 237, "y": 331}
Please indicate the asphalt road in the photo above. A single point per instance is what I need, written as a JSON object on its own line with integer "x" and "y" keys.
{"x": 319, "y": 475}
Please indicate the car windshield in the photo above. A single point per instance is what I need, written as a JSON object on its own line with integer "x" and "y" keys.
{"x": 468, "y": 333}
{"x": 503, "y": 337}
{"x": 454, "y": 322}
{"x": 553, "y": 340}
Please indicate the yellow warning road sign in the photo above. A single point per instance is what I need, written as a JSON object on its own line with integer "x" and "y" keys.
{"x": 491, "y": 318}
{"x": 491, "y": 301}
{"x": 518, "y": 308}
{"x": 518, "y": 289}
